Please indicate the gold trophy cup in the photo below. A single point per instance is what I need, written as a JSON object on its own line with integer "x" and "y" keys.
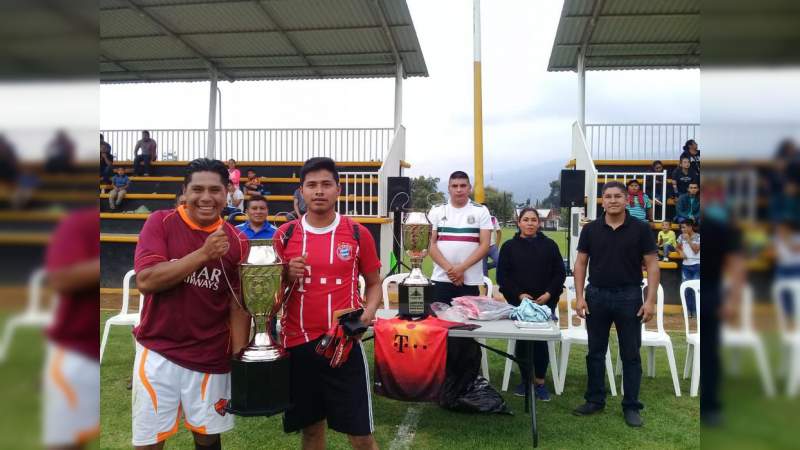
{"x": 415, "y": 290}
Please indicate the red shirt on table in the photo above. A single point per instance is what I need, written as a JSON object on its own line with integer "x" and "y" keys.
{"x": 189, "y": 323}
{"x": 334, "y": 259}
{"x": 75, "y": 241}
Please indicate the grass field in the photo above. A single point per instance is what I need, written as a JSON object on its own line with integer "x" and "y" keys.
{"x": 670, "y": 422}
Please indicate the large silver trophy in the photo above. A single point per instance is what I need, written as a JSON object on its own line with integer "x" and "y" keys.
{"x": 260, "y": 374}
{"x": 415, "y": 291}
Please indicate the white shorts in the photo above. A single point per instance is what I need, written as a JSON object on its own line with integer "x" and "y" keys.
{"x": 163, "y": 391}
{"x": 71, "y": 397}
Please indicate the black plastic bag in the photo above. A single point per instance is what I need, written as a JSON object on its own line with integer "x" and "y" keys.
{"x": 464, "y": 389}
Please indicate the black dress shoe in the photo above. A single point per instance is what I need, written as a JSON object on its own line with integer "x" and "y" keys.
{"x": 632, "y": 417}
{"x": 587, "y": 409}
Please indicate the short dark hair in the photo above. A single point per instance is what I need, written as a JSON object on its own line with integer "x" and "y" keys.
{"x": 145, "y": 131}
{"x": 458, "y": 175}
{"x": 206, "y": 165}
{"x": 688, "y": 144}
{"x": 630, "y": 182}
{"x": 686, "y": 158}
{"x": 613, "y": 184}
{"x": 251, "y": 170}
{"x": 317, "y": 164}
{"x": 688, "y": 222}
{"x": 658, "y": 161}
{"x": 257, "y": 198}
{"x": 695, "y": 183}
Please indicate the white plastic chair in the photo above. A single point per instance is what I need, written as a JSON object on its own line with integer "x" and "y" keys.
{"x": 576, "y": 334}
{"x": 124, "y": 317}
{"x": 745, "y": 336}
{"x": 33, "y": 316}
{"x": 692, "y": 339}
{"x": 396, "y": 278}
{"x": 790, "y": 333}
{"x": 658, "y": 338}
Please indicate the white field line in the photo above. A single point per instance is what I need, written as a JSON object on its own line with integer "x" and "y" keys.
{"x": 406, "y": 431}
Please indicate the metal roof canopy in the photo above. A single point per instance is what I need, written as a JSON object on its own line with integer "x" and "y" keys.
{"x": 627, "y": 34}
{"x": 187, "y": 40}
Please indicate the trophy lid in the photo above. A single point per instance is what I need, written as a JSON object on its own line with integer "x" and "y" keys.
{"x": 262, "y": 252}
{"x": 416, "y": 217}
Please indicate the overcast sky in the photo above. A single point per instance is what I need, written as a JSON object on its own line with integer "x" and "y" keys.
{"x": 527, "y": 110}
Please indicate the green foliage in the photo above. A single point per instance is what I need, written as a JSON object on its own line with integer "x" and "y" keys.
{"x": 425, "y": 193}
{"x": 500, "y": 203}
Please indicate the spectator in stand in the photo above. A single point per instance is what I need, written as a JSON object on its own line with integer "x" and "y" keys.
{"x": 234, "y": 173}
{"x": 257, "y": 225}
{"x": 9, "y": 165}
{"x": 682, "y": 176}
{"x": 60, "y": 154}
{"x": 120, "y": 184}
{"x": 235, "y": 200}
{"x": 494, "y": 251}
{"x": 299, "y": 205}
{"x": 786, "y": 154}
{"x": 106, "y": 161}
{"x": 688, "y": 205}
{"x": 252, "y": 185}
{"x": 691, "y": 151}
{"x": 689, "y": 249}
{"x": 639, "y": 205}
{"x": 658, "y": 184}
{"x": 787, "y": 261}
{"x": 666, "y": 240}
{"x": 144, "y": 154}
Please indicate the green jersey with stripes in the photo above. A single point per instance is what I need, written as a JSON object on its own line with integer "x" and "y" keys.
{"x": 458, "y": 231}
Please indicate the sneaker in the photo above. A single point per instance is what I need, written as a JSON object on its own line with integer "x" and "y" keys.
{"x": 541, "y": 393}
{"x": 519, "y": 391}
{"x": 666, "y": 259}
{"x": 587, "y": 409}
{"x": 632, "y": 418}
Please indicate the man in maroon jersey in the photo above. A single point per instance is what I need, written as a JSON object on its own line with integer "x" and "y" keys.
{"x": 192, "y": 321}
{"x": 72, "y": 372}
{"x": 326, "y": 252}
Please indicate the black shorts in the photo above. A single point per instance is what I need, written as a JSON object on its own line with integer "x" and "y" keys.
{"x": 341, "y": 395}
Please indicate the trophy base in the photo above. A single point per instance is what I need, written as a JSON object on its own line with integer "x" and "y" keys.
{"x": 259, "y": 388}
{"x": 414, "y": 300}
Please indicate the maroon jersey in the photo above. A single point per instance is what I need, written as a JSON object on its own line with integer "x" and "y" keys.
{"x": 76, "y": 241}
{"x": 334, "y": 259}
{"x": 189, "y": 323}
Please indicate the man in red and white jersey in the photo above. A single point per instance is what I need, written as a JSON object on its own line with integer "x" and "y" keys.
{"x": 326, "y": 252}
{"x": 192, "y": 321}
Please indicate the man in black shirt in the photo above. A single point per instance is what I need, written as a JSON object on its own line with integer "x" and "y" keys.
{"x": 616, "y": 244}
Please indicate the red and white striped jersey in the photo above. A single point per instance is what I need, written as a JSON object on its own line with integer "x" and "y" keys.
{"x": 334, "y": 260}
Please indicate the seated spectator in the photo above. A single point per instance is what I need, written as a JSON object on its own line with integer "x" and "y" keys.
{"x": 233, "y": 173}
{"x": 299, "y": 205}
{"x": 60, "y": 154}
{"x": 688, "y": 204}
{"x": 666, "y": 240}
{"x": 658, "y": 183}
{"x": 682, "y": 176}
{"x": 691, "y": 151}
{"x": 144, "y": 154}
{"x": 689, "y": 249}
{"x": 257, "y": 226}
{"x": 120, "y": 183}
{"x": 639, "y": 205}
{"x": 252, "y": 185}
{"x": 106, "y": 161}
{"x": 9, "y": 164}
{"x": 235, "y": 200}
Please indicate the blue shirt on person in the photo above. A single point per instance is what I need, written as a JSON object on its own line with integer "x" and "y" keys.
{"x": 119, "y": 180}
{"x": 266, "y": 232}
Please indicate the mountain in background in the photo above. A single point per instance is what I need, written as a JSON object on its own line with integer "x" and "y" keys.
{"x": 530, "y": 181}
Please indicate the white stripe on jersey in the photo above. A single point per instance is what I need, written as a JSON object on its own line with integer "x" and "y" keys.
{"x": 333, "y": 238}
{"x": 329, "y": 309}
{"x": 302, "y": 329}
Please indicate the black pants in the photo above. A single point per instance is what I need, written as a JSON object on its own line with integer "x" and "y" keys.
{"x": 618, "y": 306}
{"x": 541, "y": 358}
{"x": 141, "y": 164}
{"x": 463, "y": 354}
{"x": 709, "y": 357}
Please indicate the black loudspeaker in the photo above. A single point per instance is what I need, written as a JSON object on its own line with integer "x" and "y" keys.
{"x": 399, "y": 193}
{"x": 572, "y": 184}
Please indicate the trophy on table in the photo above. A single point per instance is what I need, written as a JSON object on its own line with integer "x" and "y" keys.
{"x": 415, "y": 291}
{"x": 260, "y": 373}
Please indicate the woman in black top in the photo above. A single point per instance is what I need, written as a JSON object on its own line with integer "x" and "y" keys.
{"x": 531, "y": 267}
